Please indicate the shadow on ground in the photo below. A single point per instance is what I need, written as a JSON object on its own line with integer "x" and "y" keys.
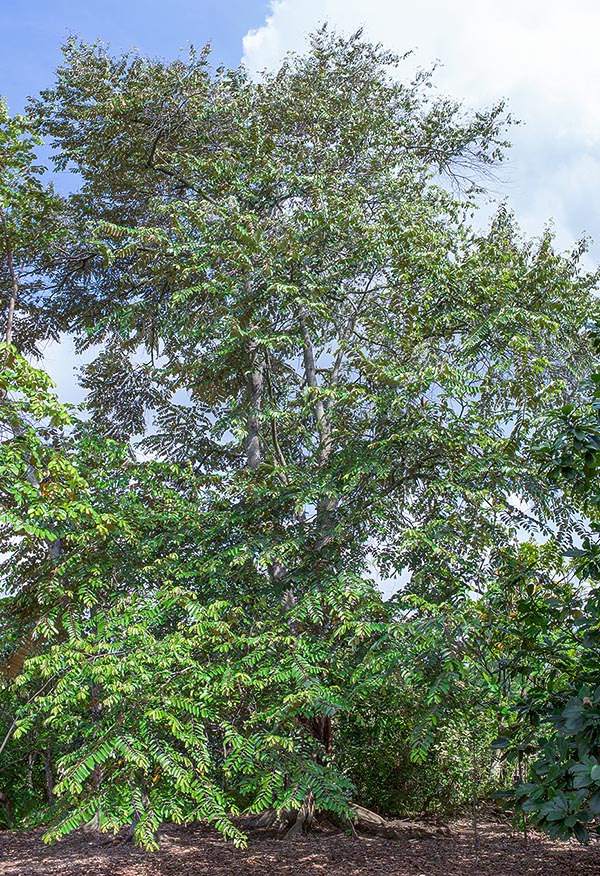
{"x": 199, "y": 851}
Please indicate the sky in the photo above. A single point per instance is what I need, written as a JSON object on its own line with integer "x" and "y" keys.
{"x": 540, "y": 55}
{"x": 33, "y": 32}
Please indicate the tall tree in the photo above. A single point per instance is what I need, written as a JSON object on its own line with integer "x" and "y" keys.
{"x": 560, "y": 792}
{"x": 341, "y": 340}
{"x": 283, "y": 279}
{"x": 287, "y": 256}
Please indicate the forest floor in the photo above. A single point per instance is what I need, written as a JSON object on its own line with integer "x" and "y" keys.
{"x": 199, "y": 851}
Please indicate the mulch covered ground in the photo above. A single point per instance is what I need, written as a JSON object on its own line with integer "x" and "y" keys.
{"x": 196, "y": 851}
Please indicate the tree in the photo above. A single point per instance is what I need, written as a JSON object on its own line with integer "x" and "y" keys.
{"x": 30, "y": 227}
{"x": 42, "y": 498}
{"x": 33, "y": 472}
{"x": 561, "y": 792}
{"x": 340, "y": 372}
{"x": 40, "y": 488}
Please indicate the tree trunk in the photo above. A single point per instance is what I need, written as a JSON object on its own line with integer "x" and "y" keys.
{"x": 49, "y": 775}
{"x": 305, "y": 818}
{"x": 255, "y": 388}
{"x": 321, "y": 729}
{"x": 4, "y": 801}
{"x": 310, "y": 375}
{"x": 13, "y": 279}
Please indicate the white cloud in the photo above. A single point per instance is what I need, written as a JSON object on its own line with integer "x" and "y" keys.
{"x": 539, "y": 54}
{"x": 61, "y": 362}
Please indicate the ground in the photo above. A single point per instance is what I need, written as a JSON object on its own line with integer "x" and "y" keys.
{"x": 198, "y": 851}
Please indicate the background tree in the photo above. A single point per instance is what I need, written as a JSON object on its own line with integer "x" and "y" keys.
{"x": 560, "y": 792}
{"x": 30, "y": 228}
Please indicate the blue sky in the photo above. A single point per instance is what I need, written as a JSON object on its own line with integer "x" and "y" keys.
{"x": 33, "y": 31}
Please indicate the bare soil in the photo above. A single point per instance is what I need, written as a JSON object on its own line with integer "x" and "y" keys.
{"x": 199, "y": 850}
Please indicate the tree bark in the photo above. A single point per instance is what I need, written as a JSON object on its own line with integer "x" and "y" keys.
{"x": 255, "y": 389}
{"x": 305, "y": 818}
{"x": 49, "y": 775}
{"x": 310, "y": 374}
{"x": 4, "y": 801}
{"x": 13, "y": 278}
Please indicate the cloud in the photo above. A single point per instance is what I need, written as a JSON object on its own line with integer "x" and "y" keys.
{"x": 539, "y": 54}
{"x": 61, "y": 362}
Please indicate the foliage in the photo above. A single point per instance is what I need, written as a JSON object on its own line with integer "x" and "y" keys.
{"x": 562, "y": 793}
{"x": 31, "y": 228}
{"x": 376, "y": 747}
{"x": 313, "y": 374}
{"x": 212, "y": 722}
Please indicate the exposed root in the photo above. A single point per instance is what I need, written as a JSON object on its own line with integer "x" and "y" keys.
{"x": 117, "y": 841}
{"x": 305, "y": 818}
{"x": 301, "y": 822}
